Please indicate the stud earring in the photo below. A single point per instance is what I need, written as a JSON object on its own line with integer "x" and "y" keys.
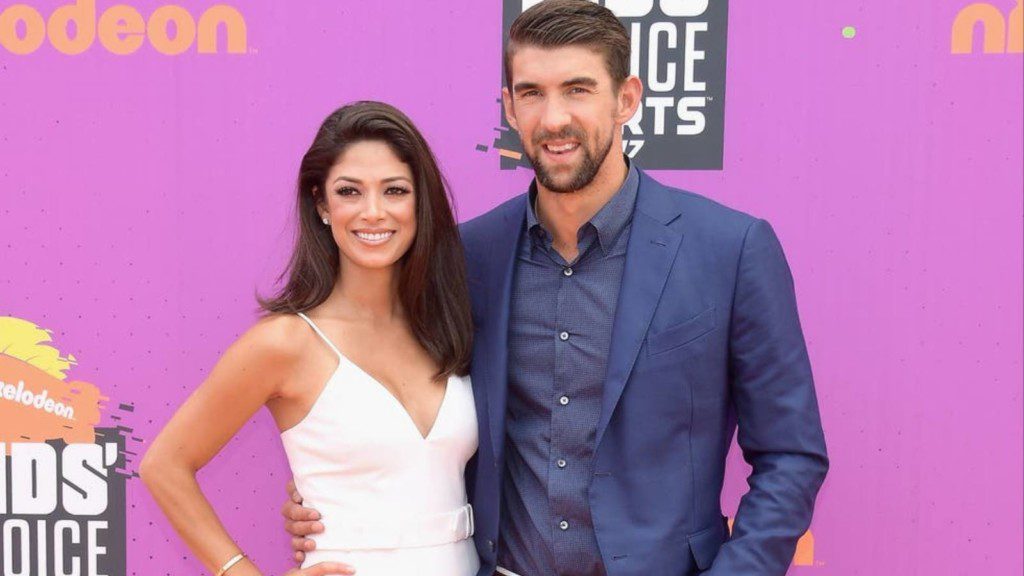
{"x": 326, "y": 221}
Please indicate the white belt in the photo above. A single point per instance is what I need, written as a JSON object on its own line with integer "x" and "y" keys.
{"x": 433, "y": 530}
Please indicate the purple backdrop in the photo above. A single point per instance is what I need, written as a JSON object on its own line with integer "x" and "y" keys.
{"x": 144, "y": 198}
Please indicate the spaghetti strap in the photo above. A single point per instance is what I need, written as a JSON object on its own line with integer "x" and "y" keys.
{"x": 322, "y": 335}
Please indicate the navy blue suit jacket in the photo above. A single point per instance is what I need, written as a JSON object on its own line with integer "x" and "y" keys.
{"x": 705, "y": 336}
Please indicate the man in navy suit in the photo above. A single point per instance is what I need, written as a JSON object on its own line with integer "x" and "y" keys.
{"x": 624, "y": 330}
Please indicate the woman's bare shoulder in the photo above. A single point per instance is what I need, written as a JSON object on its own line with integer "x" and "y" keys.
{"x": 277, "y": 339}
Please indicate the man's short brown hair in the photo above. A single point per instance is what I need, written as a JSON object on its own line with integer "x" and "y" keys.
{"x": 558, "y": 23}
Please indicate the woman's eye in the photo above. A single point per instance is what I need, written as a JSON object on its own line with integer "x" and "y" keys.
{"x": 347, "y": 191}
{"x": 397, "y": 190}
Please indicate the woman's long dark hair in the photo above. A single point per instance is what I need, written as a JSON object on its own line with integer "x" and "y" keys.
{"x": 432, "y": 276}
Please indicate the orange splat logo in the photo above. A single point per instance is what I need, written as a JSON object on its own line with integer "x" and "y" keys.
{"x": 37, "y": 403}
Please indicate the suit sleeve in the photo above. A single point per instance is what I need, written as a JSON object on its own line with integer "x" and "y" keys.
{"x": 777, "y": 414}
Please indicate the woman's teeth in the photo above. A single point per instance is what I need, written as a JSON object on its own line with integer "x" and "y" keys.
{"x": 374, "y": 236}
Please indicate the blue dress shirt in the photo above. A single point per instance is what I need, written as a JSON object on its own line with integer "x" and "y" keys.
{"x": 559, "y": 336}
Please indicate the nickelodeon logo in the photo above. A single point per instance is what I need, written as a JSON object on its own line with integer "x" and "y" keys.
{"x": 999, "y": 35}
{"x": 73, "y": 28}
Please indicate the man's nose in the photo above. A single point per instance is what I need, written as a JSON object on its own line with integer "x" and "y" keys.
{"x": 556, "y": 117}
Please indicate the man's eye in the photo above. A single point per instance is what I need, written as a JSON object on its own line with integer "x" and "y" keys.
{"x": 577, "y": 90}
{"x": 530, "y": 93}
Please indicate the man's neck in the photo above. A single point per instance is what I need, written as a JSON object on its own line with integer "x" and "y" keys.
{"x": 562, "y": 213}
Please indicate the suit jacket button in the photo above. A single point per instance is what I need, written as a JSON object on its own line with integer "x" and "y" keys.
{"x": 490, "y": 545}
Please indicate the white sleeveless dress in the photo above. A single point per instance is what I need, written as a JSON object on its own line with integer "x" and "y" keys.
{"x": 392, "y": 501}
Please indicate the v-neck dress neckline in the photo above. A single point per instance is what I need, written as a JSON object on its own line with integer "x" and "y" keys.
{"x": 392, "y": 500}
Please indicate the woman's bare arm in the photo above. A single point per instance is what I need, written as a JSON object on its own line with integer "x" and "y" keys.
{"x": 249, "y": 374}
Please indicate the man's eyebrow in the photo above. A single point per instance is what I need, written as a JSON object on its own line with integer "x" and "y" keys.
{"x": 577, "y": 81}
{"x": 580, "y": 81}
{"x": 521, "y": 86}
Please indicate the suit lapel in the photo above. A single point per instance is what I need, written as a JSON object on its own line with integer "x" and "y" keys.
{"x": 652, "y": 249}
{"x": 495, "y": 330}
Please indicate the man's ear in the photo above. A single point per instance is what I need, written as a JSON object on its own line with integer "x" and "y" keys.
{"x": 510, "y": 110}
{"x": 629, "y": 96}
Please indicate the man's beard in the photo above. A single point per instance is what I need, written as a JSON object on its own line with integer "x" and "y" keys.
{"x": 583, "y": 176}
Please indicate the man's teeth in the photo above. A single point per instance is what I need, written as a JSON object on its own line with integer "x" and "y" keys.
{"x": 563, "y": 147}
{"x": 374, "y": 237}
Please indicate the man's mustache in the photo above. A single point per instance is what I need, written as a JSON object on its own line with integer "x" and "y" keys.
{"x": 564, "y": 134}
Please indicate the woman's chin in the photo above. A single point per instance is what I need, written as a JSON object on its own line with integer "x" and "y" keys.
{"x": 374, "y": 262}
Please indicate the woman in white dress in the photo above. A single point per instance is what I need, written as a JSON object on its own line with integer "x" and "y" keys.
{"x": 362, "y": 359}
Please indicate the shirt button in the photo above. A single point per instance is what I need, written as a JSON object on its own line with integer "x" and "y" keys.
{"x": 563, "y": 525}
{"x": 561, "y": 463}
{"x": 563, "y": 400}
{"x": 563, "y": 336}
{"x": 567, "y": 271}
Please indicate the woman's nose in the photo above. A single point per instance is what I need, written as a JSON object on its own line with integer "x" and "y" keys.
{"x": 374, "y": 209}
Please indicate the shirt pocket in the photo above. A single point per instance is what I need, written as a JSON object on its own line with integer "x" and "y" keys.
{"x": 679, "y": 335}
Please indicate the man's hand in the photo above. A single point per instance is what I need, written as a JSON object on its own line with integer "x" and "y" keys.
{"x": 323, "y": 569}
{"x": 301, "y": 522}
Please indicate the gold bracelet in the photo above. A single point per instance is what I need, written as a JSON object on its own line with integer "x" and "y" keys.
{"x": 227, "y": 565}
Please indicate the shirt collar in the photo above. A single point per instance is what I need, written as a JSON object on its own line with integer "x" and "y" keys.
{"x": 610, "y": 220}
